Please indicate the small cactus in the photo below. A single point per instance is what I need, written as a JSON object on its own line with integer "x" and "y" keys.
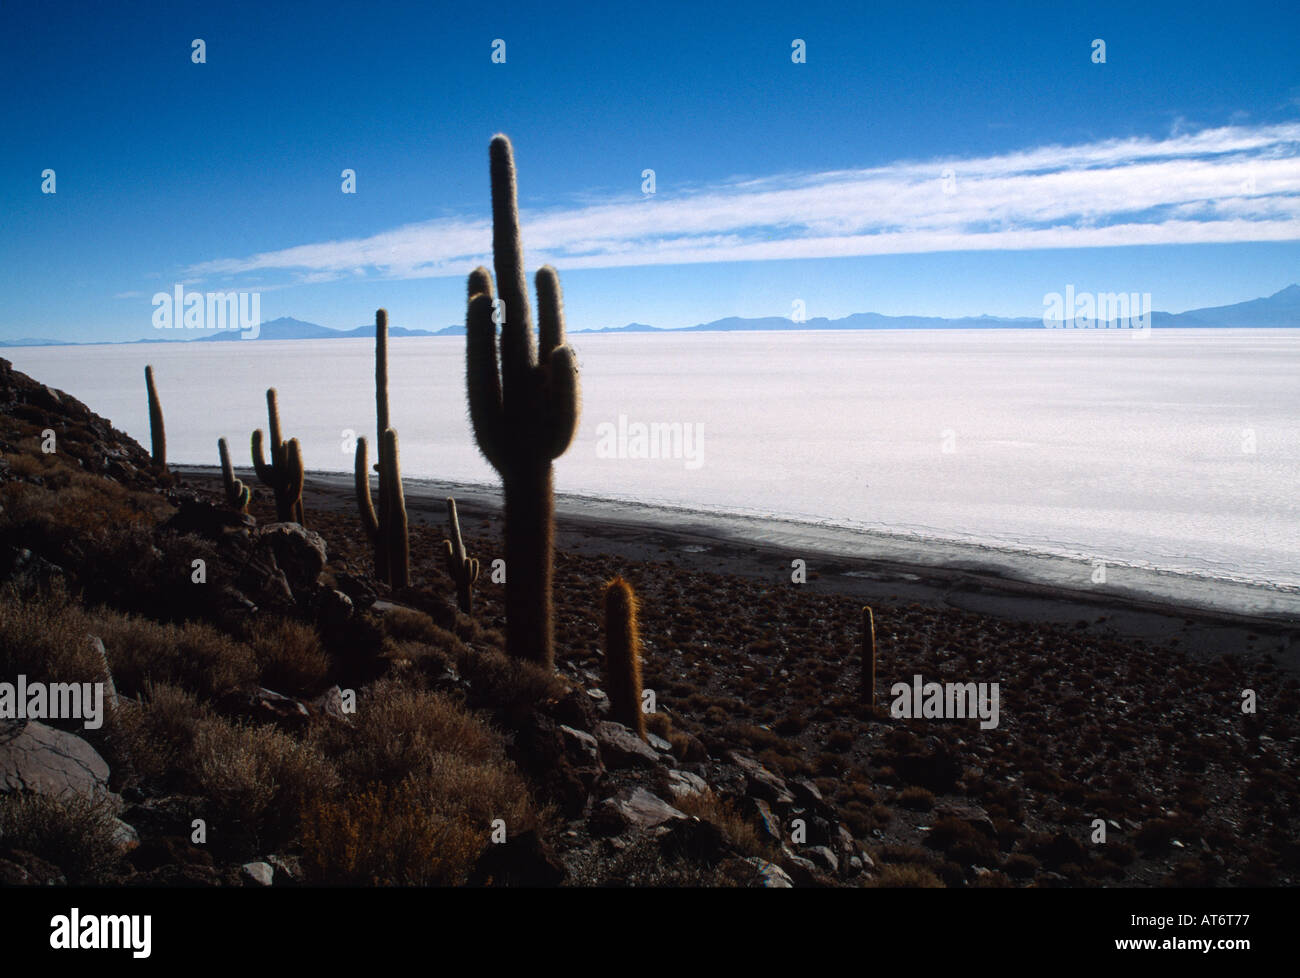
{"x": 463, "y": 570}
{"x": 623, "y": 656}
{"x": 284, "y": 474}
{"x": 237, "y": 494}
{"x": 868, "y": 679}
{"x": 523, "y": 404}
{"x": 157, "y": 435}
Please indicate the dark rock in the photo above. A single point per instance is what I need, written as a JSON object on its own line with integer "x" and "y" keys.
{"x": 769, "y": 875}
{"x": 695, "y": 840}
{"x": 21, "y": 868}
{"x": 760, "y": 782}
{"x": 357, "y": 589}
{"x": 298, "y": 552}
{"x": 632, "y": 809}
{"x": 769, "y": 826}
{"x": 621, "y": 748}
{"x": 205, "y": 519}
{"x": 333, "y": 608}
{"x": 525, "y": 860}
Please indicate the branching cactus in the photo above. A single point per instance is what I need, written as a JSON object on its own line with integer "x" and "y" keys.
{"x": 463, "y": 569}
{"x": 237, "y": 494}
{"x": 382, "y": 530}
{"x": 157, "y": 435}
{"x": 623, "y": 656}
{"x": 284, "y": 474}
{"x": 388, "y": 529}
{"x": 524, "y": 408}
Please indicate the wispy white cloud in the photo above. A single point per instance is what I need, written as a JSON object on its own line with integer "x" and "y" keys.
{"x": 1230, "y": 184}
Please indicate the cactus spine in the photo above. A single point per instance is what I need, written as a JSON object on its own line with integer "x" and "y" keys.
{"x": 463, "y": 570}
{"x": 284, "y": 474}
{"x": 237, "y": 494}
{"x": 383, "y": 530}
{"x": 868, "y": 679}
{"x": 524, "y": 409}
{"x": 623, "y": 656}
{"x": 157, "y": 434}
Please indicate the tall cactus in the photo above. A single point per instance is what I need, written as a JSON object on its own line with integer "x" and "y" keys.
{"x": 237, "y": 494}
{"x": 463, "y": 569}
{"x": 157, "y": 434}
{"x": 284, "y": 474}
{"x": 623, "y": 656}
{"x": 524, "y": 409}
{"x": 393, "y": 558}
{"x": 390, "y": 481}
{"x": 379, "y": 527}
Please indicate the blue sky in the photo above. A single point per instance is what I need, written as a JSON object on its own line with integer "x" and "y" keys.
{"x": 1173, "y": 168}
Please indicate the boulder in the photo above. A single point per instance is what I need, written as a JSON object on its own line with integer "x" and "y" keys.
{"x": 760, "y": 782}
{"x": 298, "y": 552}
{"x": 632, "y": 809}
{"x": 621, "y": 748}
{"x": 34, "y": 757}
{"x": 770, "y": 875}
{"x": 258, "y": 873}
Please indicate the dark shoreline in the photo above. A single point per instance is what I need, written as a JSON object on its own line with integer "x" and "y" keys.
{"x": 697, "y": 545}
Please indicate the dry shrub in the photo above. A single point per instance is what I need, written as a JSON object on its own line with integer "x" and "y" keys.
{"x": 906, "y": 875}
{"x": 387, "y": 836}
{"x": 160, "y": 730}
{"x": 71, "y": 502}
{"x": 74, "y": 832}
{"x": 441, "y": 756}
{"x": 739, "y": 831}
{"x": 916, "y": 799}
{"x": 409, "y": 625}
{"x": 289, "y": 657}
{"x": 194, "y": 655}
{"x": 258, "y": 778}
{"x": 508, "y": 683}
{"x": 47, "y": 639}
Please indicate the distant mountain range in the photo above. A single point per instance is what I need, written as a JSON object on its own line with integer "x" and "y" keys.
{"x": 1281, "y": 309}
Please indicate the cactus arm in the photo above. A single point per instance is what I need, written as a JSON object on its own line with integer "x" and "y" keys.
{"x": 362, "y": 472}
{"x": 264, "y": 474}
{"x": 453, "y": 520}
{"x": 563, "y": 402}
{"x": 237, "y": 494}
{"x": 293, "y": 480}
{"x": 483, "y": 381}
{"x": 550, "y": 312}
{"x": 157, "y": 434}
